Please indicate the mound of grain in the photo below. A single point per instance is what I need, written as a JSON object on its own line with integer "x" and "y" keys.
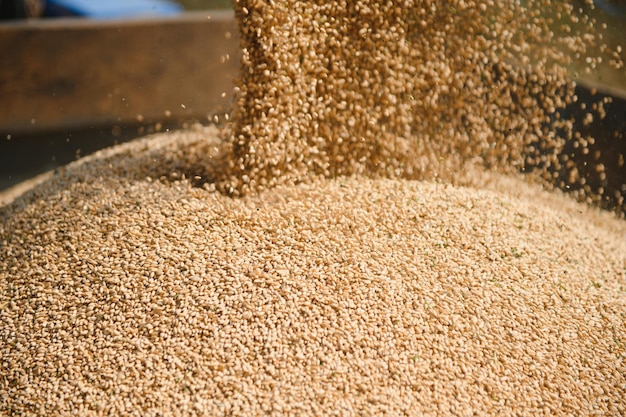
{"x": 129, "y": 285}
{"x": 121, "y": 294}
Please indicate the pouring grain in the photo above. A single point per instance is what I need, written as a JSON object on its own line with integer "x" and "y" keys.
{"x": 413, "y": 89}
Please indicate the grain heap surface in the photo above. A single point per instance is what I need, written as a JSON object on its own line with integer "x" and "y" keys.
{"x": 122, "y": 294}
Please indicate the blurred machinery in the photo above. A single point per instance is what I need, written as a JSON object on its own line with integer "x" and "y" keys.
{"x": 94, "y": 9}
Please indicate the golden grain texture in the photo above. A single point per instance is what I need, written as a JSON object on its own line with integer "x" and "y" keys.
{"x": 386, "y": 88}
{"x": 127, "y": 295}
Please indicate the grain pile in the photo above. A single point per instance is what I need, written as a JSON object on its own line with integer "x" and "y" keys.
{"x": 132, "y": 283}
{"x": 156, "y": 297}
